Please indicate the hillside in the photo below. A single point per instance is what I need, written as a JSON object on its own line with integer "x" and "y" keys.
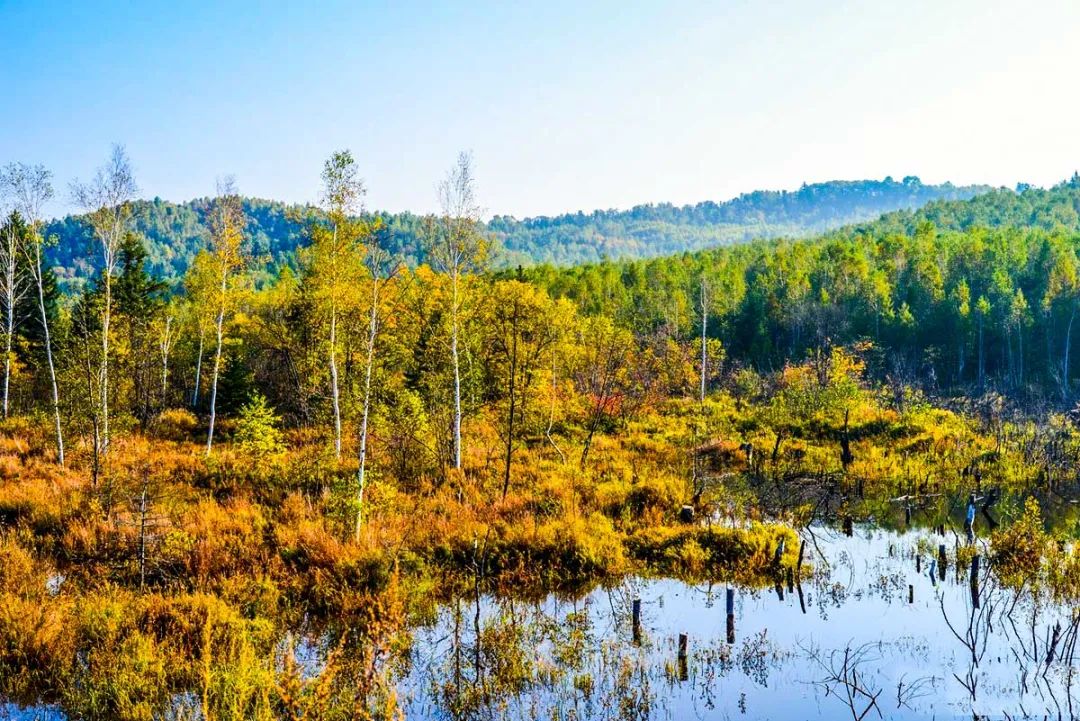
{"x": 1056, "y": 208}
{"x": 175, "y": 232}
{"x": 652, "y": 230}
{"x": 958, "y": 295}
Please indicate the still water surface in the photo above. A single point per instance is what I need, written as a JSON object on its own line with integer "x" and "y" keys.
{"x": 855, "y": 644}
{"x": 878, "y": 631}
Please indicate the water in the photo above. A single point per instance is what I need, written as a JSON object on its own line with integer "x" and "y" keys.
{"x": 851, "y": 644}
{"x": 936, "y": 658}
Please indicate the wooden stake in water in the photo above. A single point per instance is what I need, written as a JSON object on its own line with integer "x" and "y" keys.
{"x": 731, "y": 615}
{"x": 636, "y": 623}
{"x": 975, "y": 581}
{"x": 684, "y": 642}
{"x": 943, "y": 561}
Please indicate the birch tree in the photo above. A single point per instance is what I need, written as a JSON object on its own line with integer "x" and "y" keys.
{"x": 30, "y": 187}
{"x": 335, "y": 255}
{"x": 199, "y": 286}
{"x": 382, "y": 267}
{"x": 227, "y": 223}
{"x": 165, "y": 328}
{"x": 13, "y": 287}
{"x": 107, "y": 202}
{"x": 457, "y": 247}
{"x": 704, "y": 307}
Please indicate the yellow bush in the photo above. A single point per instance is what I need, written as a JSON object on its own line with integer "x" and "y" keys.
{"x": 176, "y": 424}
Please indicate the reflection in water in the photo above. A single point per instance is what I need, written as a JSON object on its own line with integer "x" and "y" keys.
{"x": 874, "y": 632}
{"x": 888, "y": 625}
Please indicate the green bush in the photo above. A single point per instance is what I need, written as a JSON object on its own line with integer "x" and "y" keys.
{"x": 258, "y": 430}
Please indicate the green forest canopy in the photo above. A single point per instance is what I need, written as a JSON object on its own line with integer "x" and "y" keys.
{"x": 175, "y": 232}
{"x": 959, "y": 293}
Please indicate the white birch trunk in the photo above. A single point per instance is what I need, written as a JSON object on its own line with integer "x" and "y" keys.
{"x": 103, "y": 373}
{"x": 334, "y": 382}
{"x": 48, "y": 356}
{"x": 198, "y": 369}
{"x": 9, "y": 331}
{"x": 457, "y": 373}
{"x": 704, "y": 356}
{"x": 166, "y": 344}
{"x": 373, "y": 327}
{"x": 217, "y": 365}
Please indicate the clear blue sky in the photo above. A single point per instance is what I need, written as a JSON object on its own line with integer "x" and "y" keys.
{"x": 565, "y": 105}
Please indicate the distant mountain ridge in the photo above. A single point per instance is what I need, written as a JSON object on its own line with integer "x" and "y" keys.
{"x": 175, "y": 232}
{"x": 663, "y": 229}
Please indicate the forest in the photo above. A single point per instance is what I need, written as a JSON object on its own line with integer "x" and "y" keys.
{"x": 288, "y": 424}
{"x": 173, "y": 233}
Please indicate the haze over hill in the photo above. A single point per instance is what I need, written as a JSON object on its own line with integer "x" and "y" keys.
{"x": 175, "y": 232}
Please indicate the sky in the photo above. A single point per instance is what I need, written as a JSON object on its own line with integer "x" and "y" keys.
{"x": 564, "y": 106}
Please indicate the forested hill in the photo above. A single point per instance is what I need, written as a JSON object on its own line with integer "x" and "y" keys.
{"x": 1053, "y": 209}
{"x": 959, "y": 295}
{"x": 652, "y": 230}
{"x": 174, "y": 232}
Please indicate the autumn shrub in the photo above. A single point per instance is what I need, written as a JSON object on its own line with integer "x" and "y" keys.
{"x": 1019, "y": 548}
{"x": 91, "y": 542}
{"x": 215, "y": 540}
{"x": 1064, "y": 575}
{"x": 38, "y": 499}
{"x": 660, "y": 494}
{"x": 176, "y": 424}
{"x": 746, "y": 553}
{"x": 20, "y": 574}
{"x": 326, "y": 572}
{"x": 37, "y": 646}
{"x": 123, "y": 673}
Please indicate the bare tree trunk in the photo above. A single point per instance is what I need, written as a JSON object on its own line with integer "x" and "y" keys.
{"x": 9, "y": 331}
{"x": 12, "y": 294}
{"x": 960, "y": 360}
{"x": 96, "y": 467}
{"x": 594, "y": 421}
{"x": 198, "y": 369}
{"x": 704, "y": 321}
{"x": 49, "y": 357}
{"x": 106, "y": 318}
{"x": 373, "y": 329}
{"x": 217, "y": 366}
{"x": 551, "y": 415}
{"x": 1020, "y": 353}
{"x": 457, "y": 373}
{"x": 513, "y": 400}
{"x": 166, "y": 345}
{"x": 1065, "y": 359}
{"x": 142, "y": 536}
{"x": 334, "y": 382}
{"x": 982, "y": 363}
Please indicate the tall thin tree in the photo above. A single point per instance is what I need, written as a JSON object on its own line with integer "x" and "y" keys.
{"x": 227, "y": 223}
{"x": 107, "y": 201}
{"x": 457, "y": 246}
{"x": 166, "y": 337}
{"x": 13, "y": 286}
{"x": 335, "y": 252}
{"x": 200, "y": 283}
{"x": 704, "y": 306}
{"x": 382, "y": 268}
{"x": 30, "y": 187}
